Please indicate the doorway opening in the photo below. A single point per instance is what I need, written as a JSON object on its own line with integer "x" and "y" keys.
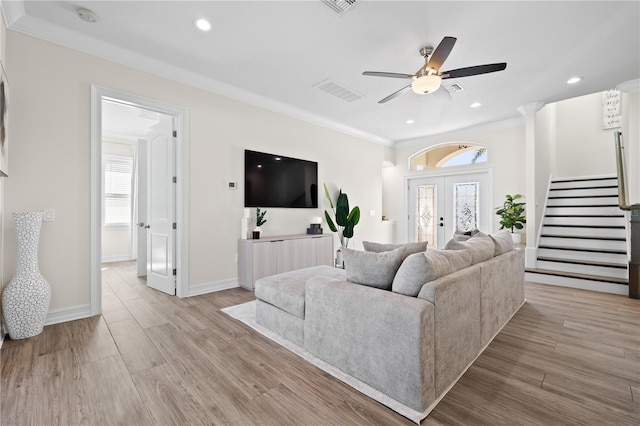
{"x": 138, "y": 190}
{"x": 440, "y": 205}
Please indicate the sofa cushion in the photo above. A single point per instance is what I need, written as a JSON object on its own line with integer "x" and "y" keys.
{"x": 370, "y": 268}
{"x": 464, "y": 236}
{"x": 420, "y": 268}
{"x": 409, "y": 248}
{"x": 286, "y": 291}
{"x": 480, "y": 245}
{"x": 502, "y": 241}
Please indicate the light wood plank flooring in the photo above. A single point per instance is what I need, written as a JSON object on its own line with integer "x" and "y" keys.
{"x": 567, "y": 357}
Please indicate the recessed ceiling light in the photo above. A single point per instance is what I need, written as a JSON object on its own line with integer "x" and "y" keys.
{"x": 476, "y": 105}
{"x": 574, "y": 80}
{"x": 410, "y": 121}
{"x": 202, "y": 24}
{"x": 259, "y": 166}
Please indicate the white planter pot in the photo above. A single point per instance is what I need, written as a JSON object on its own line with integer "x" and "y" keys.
{"x": 517, "y": 238}
{"x": 339, "y": 261}
{"x": 25, "y": 301}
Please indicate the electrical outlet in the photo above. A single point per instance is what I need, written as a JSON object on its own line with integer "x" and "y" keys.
{"x": 49, "y": 215}
{"x": 372, "y": 212}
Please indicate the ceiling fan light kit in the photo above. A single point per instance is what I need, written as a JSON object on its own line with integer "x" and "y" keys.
{"x": 429, "y": 78}
{"x": 426, "y": 84}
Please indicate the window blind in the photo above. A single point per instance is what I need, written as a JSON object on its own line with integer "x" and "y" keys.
{"x": 118, "y": 174}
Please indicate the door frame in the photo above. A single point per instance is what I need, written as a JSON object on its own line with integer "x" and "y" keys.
{"x": 436, "y": 173}
{"x": 182, "y": 187}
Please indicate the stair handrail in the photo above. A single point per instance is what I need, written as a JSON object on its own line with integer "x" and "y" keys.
{"x": 622, "y": 179}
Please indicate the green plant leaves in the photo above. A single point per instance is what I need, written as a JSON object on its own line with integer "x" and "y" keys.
{"x": 511, "y": 213}
{"x": 330, "y": 222}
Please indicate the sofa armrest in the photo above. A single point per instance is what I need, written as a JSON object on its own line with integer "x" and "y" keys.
{"x": 382, "y": 338}
{"x": 456, "y": 298}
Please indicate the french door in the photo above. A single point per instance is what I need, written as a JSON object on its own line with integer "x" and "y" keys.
{"x": 441, "y": 205}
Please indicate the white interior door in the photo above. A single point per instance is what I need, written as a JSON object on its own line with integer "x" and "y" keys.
{"x": 141, "y": 204}
{"x": 442, "y": 205}
{"x": 161, "y": 206}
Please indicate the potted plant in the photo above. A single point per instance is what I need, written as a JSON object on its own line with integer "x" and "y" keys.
{"x": 512, "y": 216}
{"x": 345, "y": 219}
{"x": 260, "y": 220}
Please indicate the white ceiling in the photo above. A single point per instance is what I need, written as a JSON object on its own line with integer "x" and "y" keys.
{"x": 272, "y": 53}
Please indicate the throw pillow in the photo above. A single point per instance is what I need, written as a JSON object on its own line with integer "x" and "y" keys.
{"x": 464, "y": 236}
{"x": 372, "y": 269}
{"x": 480, "y": 245}
{"x": 503, "y": 242}
{"x": 409, "y": 248}
{"x": 421, "y": 268}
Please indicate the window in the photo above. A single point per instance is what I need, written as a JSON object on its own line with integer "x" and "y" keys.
{"x": 457, "y": 154}
{"x": 118, "y": 183}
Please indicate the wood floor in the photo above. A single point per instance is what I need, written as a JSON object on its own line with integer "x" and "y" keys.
{"x": 567, "y": 357}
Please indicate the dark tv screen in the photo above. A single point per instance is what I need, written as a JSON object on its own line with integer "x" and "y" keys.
{"x": 277, "y": 181}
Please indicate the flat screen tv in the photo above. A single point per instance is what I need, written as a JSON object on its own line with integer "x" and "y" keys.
{"x": 277, "y": 181}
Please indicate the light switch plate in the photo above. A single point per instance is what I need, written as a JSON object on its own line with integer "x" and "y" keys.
{"x": 49, "y": 215}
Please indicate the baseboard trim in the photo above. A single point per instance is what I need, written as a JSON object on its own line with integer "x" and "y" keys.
{"x": 110, "y": 259}
{"x": 210, "y": 287}
{"x": 71, "y": 313}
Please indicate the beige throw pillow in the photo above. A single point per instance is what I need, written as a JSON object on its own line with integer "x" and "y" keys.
{"x": 409, "y": 248}
{"x": 502, "y": 241}
{"x": 480, "y": 245}
{"x": 420, "y": 268}
{"x": 372, "y": 269}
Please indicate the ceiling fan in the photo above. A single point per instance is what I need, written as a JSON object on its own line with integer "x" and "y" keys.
{"x": 429, "y": 77}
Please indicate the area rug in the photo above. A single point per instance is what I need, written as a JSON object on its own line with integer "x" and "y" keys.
{"x": 246, "y": 313}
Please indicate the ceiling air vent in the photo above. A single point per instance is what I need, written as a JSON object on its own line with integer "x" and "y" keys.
{"x": 331, "y": 87}
{"x": 340, "y": 6}
{"x": 453, "y": 88}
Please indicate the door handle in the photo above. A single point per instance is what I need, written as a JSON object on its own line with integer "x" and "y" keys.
{"x": 142, "y": 225}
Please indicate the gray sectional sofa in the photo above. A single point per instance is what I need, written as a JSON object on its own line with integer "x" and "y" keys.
{"x": 410, "y": 338}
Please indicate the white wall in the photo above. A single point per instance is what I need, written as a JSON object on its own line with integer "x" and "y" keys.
{"x": 51, "y": 126}
{"x": 505, "y": 155}
{"x": 631, "y": 141}
{"x": 579, "y": 136}
{"x": 545, "y": 159}
{"x": 2, "y": 180}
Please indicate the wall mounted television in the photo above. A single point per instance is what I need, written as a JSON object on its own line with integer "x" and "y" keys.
{"x": 277, "y": 181}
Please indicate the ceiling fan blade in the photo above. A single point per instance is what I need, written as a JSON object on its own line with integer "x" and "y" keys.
{"x": 394, "y": 94}
{"x": 478, "y": 69}
{"x": 441, "y": 53}
{"x": 387, "y": 74}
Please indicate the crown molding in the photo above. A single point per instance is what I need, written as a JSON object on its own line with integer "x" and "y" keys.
{"x": 457, "y": 135}
{"x": 631, "y": 86}
{"x": 17, "y": 20}
{"x": 12, "y": 11}
{"x": 531, "y": 108}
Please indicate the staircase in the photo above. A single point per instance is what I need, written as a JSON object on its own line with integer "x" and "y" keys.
{"x": 583, "y": 238}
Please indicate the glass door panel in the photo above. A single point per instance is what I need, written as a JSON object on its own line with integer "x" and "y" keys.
{"x": 440, "y": 205}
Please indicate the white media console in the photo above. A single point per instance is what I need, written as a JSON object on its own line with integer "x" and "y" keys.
{"x": 274, "y": 255}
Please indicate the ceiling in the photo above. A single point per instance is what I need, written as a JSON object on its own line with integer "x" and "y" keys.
{"x": 273, "y": 53}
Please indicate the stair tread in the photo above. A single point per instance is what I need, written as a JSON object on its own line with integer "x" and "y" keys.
{"x": 563, "y": 197}
{"x": 584, "y": 187}
{"x": 583, "y": 262}
{"x": 592, "y": 250}
{"x": 578, "y": 276}
{"x": 586, "y": 179}
{"x": 584, "y": 226}
{"x": 582, "y": 237}
{"x": 583, "y": 215}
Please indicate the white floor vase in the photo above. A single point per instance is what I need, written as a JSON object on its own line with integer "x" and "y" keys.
{"x": 25, "y": 301}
